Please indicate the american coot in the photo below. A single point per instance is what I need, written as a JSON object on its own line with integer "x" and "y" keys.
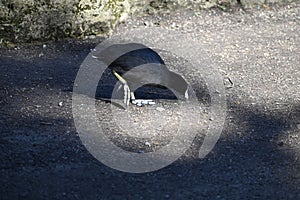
{"x": 135, "y": 65}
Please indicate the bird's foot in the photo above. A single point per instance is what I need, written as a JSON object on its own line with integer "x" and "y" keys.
{"x": 142, "y": 102}
{"x": 128, "y": 95}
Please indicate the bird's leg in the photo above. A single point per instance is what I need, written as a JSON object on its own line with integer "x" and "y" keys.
{"x": 127, "y": 91}
{"x": 126, "y": 94}
{"x": 140, "y": 102}
{"x": 130, "y": 95}
{"x": 133, "y": 101}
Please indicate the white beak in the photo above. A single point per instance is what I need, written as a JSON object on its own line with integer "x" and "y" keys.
{"x": 186, "y": 94}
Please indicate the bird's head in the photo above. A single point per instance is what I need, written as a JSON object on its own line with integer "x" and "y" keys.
{"x": 179, "y": 84}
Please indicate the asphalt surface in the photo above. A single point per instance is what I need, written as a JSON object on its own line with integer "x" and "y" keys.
{"x": 256, "y": 157}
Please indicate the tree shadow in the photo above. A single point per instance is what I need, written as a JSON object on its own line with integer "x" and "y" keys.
{"x": 247, "y": 162}
{"x": 43, "y": 157}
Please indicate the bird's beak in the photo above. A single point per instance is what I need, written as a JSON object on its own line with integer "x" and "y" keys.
{"x": 186, "y": 95}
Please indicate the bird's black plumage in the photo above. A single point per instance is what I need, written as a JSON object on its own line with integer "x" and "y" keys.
{"x": 140, "y": 65}
{"x": 135, "y": 58}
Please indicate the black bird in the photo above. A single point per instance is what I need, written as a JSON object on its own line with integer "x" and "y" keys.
{"x": 135, "y": 65}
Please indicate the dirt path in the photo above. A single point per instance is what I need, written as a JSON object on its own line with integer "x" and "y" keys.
{"x": 257, "y": 156}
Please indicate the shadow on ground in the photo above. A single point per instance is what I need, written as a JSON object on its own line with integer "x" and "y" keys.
{"x": 42, "y": 157}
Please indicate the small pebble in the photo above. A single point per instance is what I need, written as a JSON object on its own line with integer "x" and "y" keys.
{"x": 91, "y": 37}
{"x": 160, "y": 109}
{"x": 60, "y": 104}
{"x": 148, "y": 144}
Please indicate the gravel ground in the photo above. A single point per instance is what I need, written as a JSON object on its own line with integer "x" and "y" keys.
{"x": 257, "y": 156}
